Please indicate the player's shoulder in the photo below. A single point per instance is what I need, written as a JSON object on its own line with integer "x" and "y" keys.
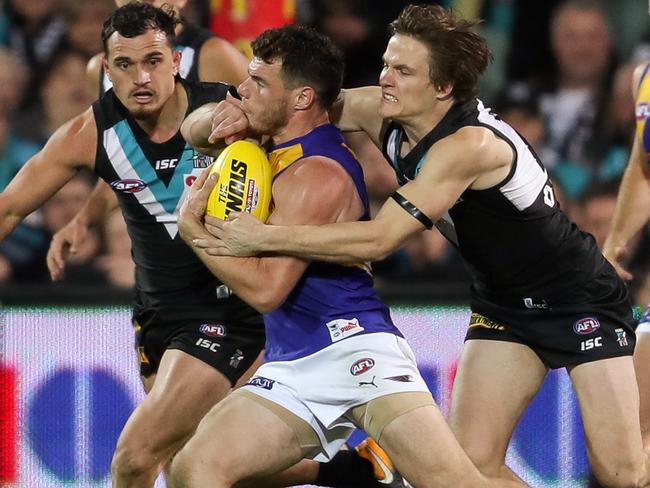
{"x": 80, "y": 125}
{"x": 468, "y": 139}
{"x": 76, "y": 140}
{"x": 318, "y": 172}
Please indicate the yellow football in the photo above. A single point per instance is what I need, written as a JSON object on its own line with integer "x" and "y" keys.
{"x": 245, "y": 180}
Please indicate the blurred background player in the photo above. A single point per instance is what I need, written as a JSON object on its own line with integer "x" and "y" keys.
{"x": 631, "y": 215}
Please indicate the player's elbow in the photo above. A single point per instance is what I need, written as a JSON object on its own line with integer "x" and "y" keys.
{"x": 265, "y": 296}
{"x": 186, "y": 131}
{"x": 266, "y": 301}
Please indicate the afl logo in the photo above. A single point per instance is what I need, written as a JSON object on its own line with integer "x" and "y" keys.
{"x": 586, "y": 326}
{"x": 213, "y": 330}
{"x": 362, "y": 366}
{"x": 128, "y": 185}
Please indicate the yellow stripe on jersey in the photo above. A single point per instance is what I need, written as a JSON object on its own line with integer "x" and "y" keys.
{"x": 643, "y": 111}
{"x": 284, "y": 157}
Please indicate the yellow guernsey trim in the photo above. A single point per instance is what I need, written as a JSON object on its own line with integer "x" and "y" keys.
{"x": 282, "y": 158}
{"x": 643, "y": 107}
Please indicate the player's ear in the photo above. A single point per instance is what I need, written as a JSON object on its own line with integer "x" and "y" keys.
{"x": 105, "y": 67}
{"x": 305, "y": 98}
{"x": 177, "y": 61}
{"x": 444, "y": 92}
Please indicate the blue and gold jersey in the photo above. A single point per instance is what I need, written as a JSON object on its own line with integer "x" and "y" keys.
{"x": 330, "y": 302}
{"x": 643, "y": 111}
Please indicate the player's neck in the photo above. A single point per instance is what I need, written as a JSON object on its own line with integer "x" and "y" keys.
{"x": 419, "y": 125}
{"x": 300, "y": 124}
{"x": 163, "y": 125}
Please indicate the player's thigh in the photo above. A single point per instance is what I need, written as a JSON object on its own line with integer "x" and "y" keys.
{"x": 495, "y": 382}
{"x": 184, "y": 390}
{"x": 419, "y": 441}
{"x": 609, "y": 401}
{"x": 242, "y": 438}
{"x": 642, "y": 369}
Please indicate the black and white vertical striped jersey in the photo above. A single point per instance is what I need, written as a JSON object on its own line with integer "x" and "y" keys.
{"x": 516, "y": 241}
{"x": 151, "y": 180}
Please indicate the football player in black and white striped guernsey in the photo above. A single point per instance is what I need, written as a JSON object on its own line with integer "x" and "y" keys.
{"x": 543, "y": 296}
{"x": 204, "y": 57}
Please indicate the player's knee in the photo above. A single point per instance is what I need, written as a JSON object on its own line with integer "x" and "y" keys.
{"x": 131, "y": 463}
{"x": 181, "y": 470}
{"x": 622, "y": 473}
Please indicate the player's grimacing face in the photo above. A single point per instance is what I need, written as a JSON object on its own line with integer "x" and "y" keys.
{"x": 142, "y": 70}
{"x": 265, "y": 97}
{"x": 406, "y": 86}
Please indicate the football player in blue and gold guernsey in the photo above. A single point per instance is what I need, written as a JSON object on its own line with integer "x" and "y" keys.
{"x": 334, "y": 359}
{"x": 631, "y": 215}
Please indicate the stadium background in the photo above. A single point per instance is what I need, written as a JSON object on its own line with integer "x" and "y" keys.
{"x": 69, "y": 383}
{"x": 67, "y": 374}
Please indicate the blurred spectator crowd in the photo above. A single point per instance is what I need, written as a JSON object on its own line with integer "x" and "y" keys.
{"x": 561, "y": 75}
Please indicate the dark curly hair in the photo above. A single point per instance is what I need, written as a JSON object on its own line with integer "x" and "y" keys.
{"x": 458, "y": 54}
{"x": 135, "y": 18}
{"x": 307, "y": 57}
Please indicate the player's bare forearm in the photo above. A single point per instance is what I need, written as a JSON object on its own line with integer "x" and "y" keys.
{"x": 633, "y": 203}
{"x": 344, "y": 242}
{"x": 197, "y": 127}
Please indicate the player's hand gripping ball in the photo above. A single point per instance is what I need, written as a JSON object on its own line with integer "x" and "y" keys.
{"x": 245, "y": 181}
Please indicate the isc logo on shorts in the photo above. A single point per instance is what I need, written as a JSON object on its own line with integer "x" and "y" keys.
{"x": 212, "y": 330}
{"x": 586, "y": 326}
{"x": 362, "y": 366}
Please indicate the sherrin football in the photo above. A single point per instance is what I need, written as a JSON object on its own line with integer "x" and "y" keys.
{"x": 244, "y": 184}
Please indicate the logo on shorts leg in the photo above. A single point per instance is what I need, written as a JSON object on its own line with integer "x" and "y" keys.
{"x": 403, "y": 378}
{"x": 143, "y": 356}
{"x": 261, "y": 382}
{"x": 586, "y": 326}
{"x": 591, "y": 343}
{"x": 236, "y": 358}
{"x": 362, "y": 366}
{"x": 369, "y": 383}
{"x": 621, "y": 337}
{"x": 209, "y": 345}
{"x": 341, "y": 328}
{"x": 478, "y": 320}
{"x": 212, "y": 330}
